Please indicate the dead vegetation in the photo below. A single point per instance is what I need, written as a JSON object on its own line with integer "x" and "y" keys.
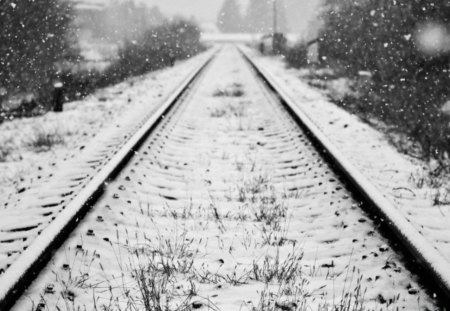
{"x": 233, "y": 90}
{"x": 165, "y": 272}
{"x": 412, "y": 108}
{"x": 44, "y": 138}
{"x": 7, "y": 147}
{"x": 234, "y": 110}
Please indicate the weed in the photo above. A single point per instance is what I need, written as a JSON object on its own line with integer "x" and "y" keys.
{"x": 225, "y": 156}
{"x": 218, "y": 113}
{"x": 235, "y": 110}
{"x": 186, "y": 212}
{"x": 288, "y": 297}
{"x": 275, "y": 235}
{"x": 296, "y": 296}
{"x": 167, "y": 255}
{"x": 239, "y": 165}
{"x": 240, "y": 127}
{"x": 238, "y": 110}
{"x": 250, "y": 189}
{"x": 43, "y": 139}
{"x": 236, "y": 278}
{"x": 247, "y": 240}
{"x": 233, "y": 90}
{"x": 262, "y": 204}
{"x": 6, "y": 148}
{"x": 217, "y": 216}
{"x": 153, "y": 269}
{"x": 441, "y": 197}
{"x": 282, "y": 271}
{"x": 67, "y": 278}
{"x": 352, "y": 296}
{"x": 269, "y": 213}
{"x": 157, "y": 290}
{"x": 434, "y": 179}
{"x": 204, "y": 276}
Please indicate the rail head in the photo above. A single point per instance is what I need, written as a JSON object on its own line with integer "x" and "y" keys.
{"x": 429, "y": 258}
{"x": 23, "y": 271}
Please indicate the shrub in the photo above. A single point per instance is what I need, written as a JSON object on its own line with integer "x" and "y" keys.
{"x": 35, "y": 36}
{"x": 297, "y": 56}
{"x": 6, "y": 148}
{"x": 157, "y": 48}
{"x": 44, "y": 139}
{"x": 408, "y": 86}
{"x": 79, "y": 84}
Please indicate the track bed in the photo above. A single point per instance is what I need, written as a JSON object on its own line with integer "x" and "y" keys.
{"x": 227, "y": 205}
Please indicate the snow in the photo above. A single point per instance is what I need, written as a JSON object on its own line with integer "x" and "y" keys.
{"x": 196, "y": 199}
{"x": 432, "y": 38}
{"x": 394, "y": 174}
{"x": 84, "y": 136}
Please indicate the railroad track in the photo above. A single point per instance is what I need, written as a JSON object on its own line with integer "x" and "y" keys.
{"x": 223, "y": 197}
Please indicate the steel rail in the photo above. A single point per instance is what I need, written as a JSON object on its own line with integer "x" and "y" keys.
{"x": 23, "y": 271}
{"x": 425, "y": 255}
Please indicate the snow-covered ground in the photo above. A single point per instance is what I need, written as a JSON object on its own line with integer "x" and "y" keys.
{"x": 49, "y": 158}
{"x": 398, "y": 176}
{"x": 228, "y": 208}
{"x": 23, "y": 160}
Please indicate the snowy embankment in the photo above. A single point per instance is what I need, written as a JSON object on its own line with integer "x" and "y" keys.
{"x": 33, "y": 149}
{"x": 398, "y": 176}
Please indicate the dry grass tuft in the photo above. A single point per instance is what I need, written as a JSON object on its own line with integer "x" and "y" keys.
{"x": 7, "y": 147}
{"x": 283, "y": 271}
{"x": 237, "y": 110}
{"x": 44, "y": 139}
{"x": 233, "y": 90}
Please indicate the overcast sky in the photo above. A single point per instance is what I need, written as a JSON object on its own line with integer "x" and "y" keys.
{"x": 300, "y": 11}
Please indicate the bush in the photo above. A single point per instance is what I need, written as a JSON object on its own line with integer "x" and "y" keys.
{"x": 297, "y": 56}
{"x": 44, "y": 139}
{"x": 408, "y": 86}
{"x": 157, "y": 48}
{"x": 35, "y": 36}
{"x": 79, "y": 84}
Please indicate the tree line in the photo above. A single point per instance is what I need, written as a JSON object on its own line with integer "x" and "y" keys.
{"x": 35, "y": 38}
{"x": 257, "y": 18}
{"x": 119, "y": 20}
{"x": 39, "y": 45}
{"x": 405, "y": 47}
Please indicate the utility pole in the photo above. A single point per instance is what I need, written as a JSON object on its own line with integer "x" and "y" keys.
{"x": 275, "y": 17}
{"x": 277, "y": 38}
